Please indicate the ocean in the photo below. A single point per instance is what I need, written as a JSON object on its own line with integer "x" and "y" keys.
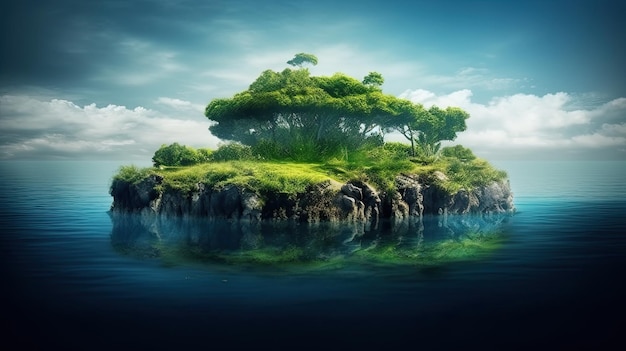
{"x": 555, "y": 282}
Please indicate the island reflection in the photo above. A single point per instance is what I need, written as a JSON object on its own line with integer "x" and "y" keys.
{"x": 429, "y": 240}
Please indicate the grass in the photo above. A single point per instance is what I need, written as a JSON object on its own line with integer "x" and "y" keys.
{"x": 376, "y": 167}
{"x": 132, "y": 174}
{"x": 261, "y": 177}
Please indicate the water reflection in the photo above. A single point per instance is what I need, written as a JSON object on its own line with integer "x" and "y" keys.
{"x": 418, "y": 240}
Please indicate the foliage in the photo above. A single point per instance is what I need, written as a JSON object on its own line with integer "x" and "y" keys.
{"x": 232, "y": 152}
{"x": 458, "y": 152}
{"x": 472, "y": 174}
{"x": 427, "y": 128}
{"x": 204, "y": 155}
{"x": 293, "y": 115}
{"x": 302, "y": 58}
{"x": 392, "y": 150}
{"x": 179, "y": 155}
{"x": 131, "y": 174}
{"x": 373, "y": 79}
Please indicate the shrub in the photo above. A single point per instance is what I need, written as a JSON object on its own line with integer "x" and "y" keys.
{"x": 232, "y": 152}
{"x": 458, "y": 152}
{"x": 131, "y": 174}
{"x": 204, "y": 155}
{"x": 268, "y": 150}
{"x": 175, "y": 155}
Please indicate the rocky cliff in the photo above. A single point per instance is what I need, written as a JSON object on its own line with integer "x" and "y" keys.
{"x": 326, "y": 201}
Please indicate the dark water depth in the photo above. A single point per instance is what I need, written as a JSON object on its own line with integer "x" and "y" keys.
{"x": 555, "y": 282}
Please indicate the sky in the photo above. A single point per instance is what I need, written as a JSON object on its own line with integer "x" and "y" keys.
{"x": 114, "y": 80}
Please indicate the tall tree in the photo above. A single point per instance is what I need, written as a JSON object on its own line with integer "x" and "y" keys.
{"x": 412, "y": 118}
{"x": 427, "y": 128}
{"x": 444, "y": 124}
{"x": 292, "y": 109}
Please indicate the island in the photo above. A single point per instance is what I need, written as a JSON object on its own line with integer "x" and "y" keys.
{"x": 315, "y": 149}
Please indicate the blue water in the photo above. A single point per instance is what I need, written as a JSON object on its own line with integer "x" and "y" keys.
{"x": 557, "y": 281}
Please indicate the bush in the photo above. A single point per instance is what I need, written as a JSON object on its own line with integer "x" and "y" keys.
{"x": 232, "y": 152}
{"x": 459, "y": 152}
{"x": 131, "y": 174}
{"x": 204, "y": 155}
{"x": 397, "y": 150}
{"x": 268, "y": 150}
{"x": 175, "y": 155}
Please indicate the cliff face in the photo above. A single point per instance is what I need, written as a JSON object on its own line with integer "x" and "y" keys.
{"x": 327, "y": 201}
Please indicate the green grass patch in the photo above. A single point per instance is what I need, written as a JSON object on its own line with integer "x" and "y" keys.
{"x": 377, "y": 166}
{"x": 284, "y": 177}
{"x": 470, "y": 174}
{"x": 132, "y": 174}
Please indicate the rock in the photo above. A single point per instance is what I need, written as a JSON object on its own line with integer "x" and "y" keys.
{"x": 252, "y": 207}
{"x": 410, "y": 191}
{"x": 226, "y": 203}
{"x": 495, "y": 198}
{"x": 348, "y": 204}
{"x": 371, "y": 201}
{"x": 355, "y": 201}
{"x": 131, "y": 197}
{"x": 352, "y": 191}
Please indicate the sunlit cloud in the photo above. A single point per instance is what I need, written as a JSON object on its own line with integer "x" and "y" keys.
{"x": 532, "y": 124}
{"x": 35, "y": 128}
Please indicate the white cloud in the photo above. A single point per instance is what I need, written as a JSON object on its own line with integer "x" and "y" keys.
{"x": 179, "y": 104}
{"x": 32, "y": 127}
{"x": 532, "y": 124}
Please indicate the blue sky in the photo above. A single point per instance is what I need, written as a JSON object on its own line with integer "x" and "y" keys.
{"x": 116, "y": 79}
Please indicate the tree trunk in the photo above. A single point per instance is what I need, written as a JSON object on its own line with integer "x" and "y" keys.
{"x": 412, "y": 144}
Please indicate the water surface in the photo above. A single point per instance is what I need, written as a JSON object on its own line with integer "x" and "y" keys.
{"x": 557, "y": 279}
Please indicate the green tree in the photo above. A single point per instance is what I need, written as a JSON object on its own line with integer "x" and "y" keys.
{"x": 300, "y": 112}
{"x": 295, "y": 115}
{"x": 374, "y": 79}
{"x": 442, "y": 124}
{"x": 427, "y": 128}
{"x": 302, "y": 58}
{"x": 411, "y": 120}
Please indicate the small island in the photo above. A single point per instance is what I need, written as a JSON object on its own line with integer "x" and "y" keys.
{"x": 313, "y": 149}
{"x": 307, "y": 149}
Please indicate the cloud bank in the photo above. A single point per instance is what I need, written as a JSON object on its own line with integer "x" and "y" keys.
{"x": 531, "y": 126}
{"x": 35, "y": 128}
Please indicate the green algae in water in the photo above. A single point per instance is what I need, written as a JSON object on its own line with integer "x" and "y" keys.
{"x": 292, "y": 246}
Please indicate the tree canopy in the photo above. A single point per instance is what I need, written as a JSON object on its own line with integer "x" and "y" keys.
{"x": 302, "y": 58}
{"x": 304, "y": 117}
{"x": 373, "y": 79}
